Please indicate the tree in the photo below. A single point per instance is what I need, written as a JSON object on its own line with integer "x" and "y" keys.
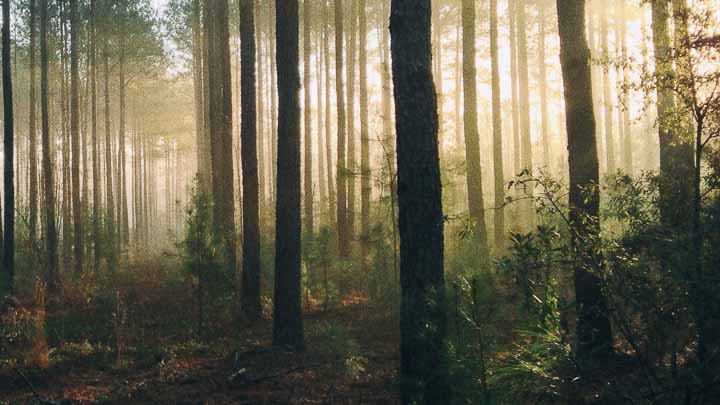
{"x": 350, "y": 110}
{"x": 365, "y": 187}
{"x": 75, "y": 139}
{"x": 287, "y": 311}
{"x": 97, "y": 205}
{"x": 607, "y": 98}
{"x": 220, "y": 117}
{"x": 47, "y": 162}
{"x": 32, "y": 132}
{"x": 472, "y": 141}
{"x": 251, "y": 306}
{"x": 307, "y": 120}
{"x": 8, "y": 257}
{"x": 497, "y": 131}
{"x": 676, "y": 154}
{"x": 341, "y": 170}
{"x": 423, "y": 364}
{"x": 593, "y": 334}
{"x": 512, "y": 16}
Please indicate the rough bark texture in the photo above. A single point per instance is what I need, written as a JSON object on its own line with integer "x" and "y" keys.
{"x": 593, "y": 335}
{"x": 351, "y": 141}
{"x": 287, "y": 311}
{"x": 472, "y": 139}
{"x": 423, "y": 364}
{"x": 251, "y": 306}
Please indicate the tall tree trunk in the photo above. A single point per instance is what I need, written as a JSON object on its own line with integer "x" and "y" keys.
{"x": 97, "y": 206}
{"x": 251, "y": 306}
{"x": 524, "y": 92}
{"x": 351, "y": 141}
{"x": 307, "y": 120}
{"x": 260, "y": 111}
{"x": 322, "y": 134}
{"x": 341, "y": 177}
{"x": 32, "y": 133}
{"x": 203, "y": 155}
{"x": 51, "y": 238}
{"x": 273, "y": 102}
{"x": 542, "y": 73}
{"x": 472, "y": 141}
{"x": 627, "y": 129}
{"x": 287, "y": 311}
{"x": 676, "y": 155}
{"x": 220, "y": 117}
{"x": 365, "y": 187}
{"x": 111, "y": 244}
{"x": 332, "y": 209}
{"x": 497, "y": 131}
{"x": 8, "y": 254}
{"x": 423, "y": 363}
{"x": 123, "y": 226}
{"x": 607, "y": 96}
{"x": 512, "y": 16}
{"x": 593, "y": 335}
{"x": 75, "y": 139}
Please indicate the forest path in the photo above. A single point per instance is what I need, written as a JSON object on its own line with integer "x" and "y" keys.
{"x": 351, "y": 358}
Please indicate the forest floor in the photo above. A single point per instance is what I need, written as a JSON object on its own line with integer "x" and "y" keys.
{"x": 351, "y": 357}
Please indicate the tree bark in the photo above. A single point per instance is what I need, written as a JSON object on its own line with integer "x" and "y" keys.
{"x": 593, "y": 334}
{"x": 51, "y": 238}
{"x": 8, "y": 254}
{"x": 499, "y": 212}
{"x": 472, "y": 141}
{"x": 512, "y": 16}
{"x": 341, "y": 177}
{"x": 32, "y": 132}
{"x": 307, "y": 121}
{"x": 251, "y": 306}
{"x": 365, "y": 186}
{"x": 287, "y": 311}
{"x": 75, "y": 140}
{"x": 423, "y": 363}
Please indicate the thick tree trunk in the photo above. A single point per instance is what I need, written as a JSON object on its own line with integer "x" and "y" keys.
{"x": 8, "y": 254}
{"x": 472, "y": 139}
{"x": 287, "y": 311}
{"x": 220, "y": 117}
{"x": 248, "y": 137}
{"x": 499, "y": 212}
{"x": 322, "y": 134}
{"x": 593, "y": 335}
{"x": 341, "y": 178}
{"x": 423, "y": 364}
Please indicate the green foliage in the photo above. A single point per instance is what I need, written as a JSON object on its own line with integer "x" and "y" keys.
{"x": 337, "y": 340}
